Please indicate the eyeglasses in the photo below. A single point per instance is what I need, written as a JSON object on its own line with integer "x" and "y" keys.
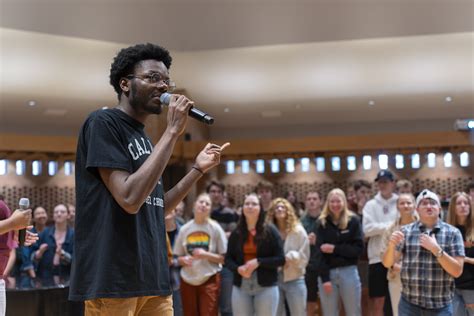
{"x": 155, "y": 78}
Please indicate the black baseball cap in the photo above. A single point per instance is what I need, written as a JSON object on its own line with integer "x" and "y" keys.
{"x": 384, "y": 174}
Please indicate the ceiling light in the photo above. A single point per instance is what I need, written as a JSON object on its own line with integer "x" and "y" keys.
{"x": 226, "y": 110}
{"x": 448, "y": 99}
{"x": 32, "y": 103}
{"x": 371, "y": 102}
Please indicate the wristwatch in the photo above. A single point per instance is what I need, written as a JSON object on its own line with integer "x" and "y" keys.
{"x": 440, "y": 253}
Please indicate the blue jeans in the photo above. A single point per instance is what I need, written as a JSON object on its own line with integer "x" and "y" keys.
{"x": 177, "y": 303}
{"x": 461, "y": 298}
{"x": 252, "y": 299}
{"x": 225, "y": 296}
{"x": 406, "y": 308}
{"x": 295, "y": 294}
{"x": 345, "y": 286}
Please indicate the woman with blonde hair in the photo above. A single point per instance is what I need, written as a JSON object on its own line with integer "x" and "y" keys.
{"x": 406, "y": 215}
{"x": 339, "y": 244}
{"x": 291, "y": 282}
{"x": 460, "y": 215}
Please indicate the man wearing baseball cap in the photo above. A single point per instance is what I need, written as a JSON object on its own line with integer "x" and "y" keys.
{"x": 432, "y": 256}
{"x": 377, "y": 216}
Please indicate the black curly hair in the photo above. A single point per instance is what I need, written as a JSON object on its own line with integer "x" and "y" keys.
{"x": 126, "y": 60}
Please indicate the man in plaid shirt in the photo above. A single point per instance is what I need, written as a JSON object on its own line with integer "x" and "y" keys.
{"x": 433, "y": 255}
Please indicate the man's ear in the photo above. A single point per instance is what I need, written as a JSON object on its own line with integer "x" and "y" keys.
{"x": 125, "y": 85}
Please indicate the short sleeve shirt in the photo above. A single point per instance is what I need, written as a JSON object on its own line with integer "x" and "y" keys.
{"x": 424, "y": 282}
{"x": 208, "y": 236}
{"x": 117, "y": 254}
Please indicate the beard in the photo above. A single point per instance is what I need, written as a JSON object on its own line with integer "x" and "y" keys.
{"x": 141, "y": 102}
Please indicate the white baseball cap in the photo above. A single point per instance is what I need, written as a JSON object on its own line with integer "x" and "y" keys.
{"x": 427, "y": 194}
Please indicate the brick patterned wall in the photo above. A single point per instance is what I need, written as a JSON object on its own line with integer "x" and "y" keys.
{"x": 41, "y": 190}
{"x": 444, "y": 181}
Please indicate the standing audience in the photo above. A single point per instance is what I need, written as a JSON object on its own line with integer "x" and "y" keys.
{"x": 378, "y": 214}
{"x": 470, "y": 190}
{"x": 404, "y": 186}
{"x": 363, "y": 192}
{"x": 172, "y": 229}
{"x": 432, "y": 253}
{"x": 460, "y": 215}
{"x": 406, "y": 215}
{"x": 254, "y": 254}
{"x": 54, "y": 250}
{"x": 179, "y": 213}
{"x": 200, "y": 246}
{"x": 227, "y": 218}
{"x": 72, "y": 215}
{"x": 293, "y": 199}
{"x": 313, "y": 204}
{"x": 296, "y": 249}
{"x": 264, "y": 191}
{"x": 351, "y": 197}
{"x": 9, "y": 223}
{"x": 338, "y": 247}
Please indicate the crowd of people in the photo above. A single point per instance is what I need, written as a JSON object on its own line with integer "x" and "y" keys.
{"x": 46, "y": 263}
{"x": 276, "y": 256}
{"x": 287, "y": 258}
{"x": 269, "y": 256}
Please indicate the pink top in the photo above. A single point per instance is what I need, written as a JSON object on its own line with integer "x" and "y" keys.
{"x": 7, "y": 243}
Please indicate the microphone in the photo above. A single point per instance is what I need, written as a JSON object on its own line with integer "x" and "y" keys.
{"x": 24, "y": 205}
{"x": 193, "y": 112}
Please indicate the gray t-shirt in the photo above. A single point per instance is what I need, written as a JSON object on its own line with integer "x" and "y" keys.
{"x": 208, "y": 236}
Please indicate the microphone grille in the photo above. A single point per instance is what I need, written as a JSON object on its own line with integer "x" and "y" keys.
{"x": 24, "y": 203}
{"x": 165, "y": 98}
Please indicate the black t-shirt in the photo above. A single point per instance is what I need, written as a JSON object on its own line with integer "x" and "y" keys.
{"x": 226, "y": 217}
{"x": 117, "y": 254}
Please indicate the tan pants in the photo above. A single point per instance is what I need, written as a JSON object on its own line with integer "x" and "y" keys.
{"x": 133, "y": 306}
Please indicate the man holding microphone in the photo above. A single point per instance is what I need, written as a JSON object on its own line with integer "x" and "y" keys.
{"x": 121, "y": 265}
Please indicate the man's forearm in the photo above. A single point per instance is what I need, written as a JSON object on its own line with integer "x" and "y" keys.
{"x": 180, "y": 190}
{"x": 451, "y": 265}
{"x": 131, "y": 190}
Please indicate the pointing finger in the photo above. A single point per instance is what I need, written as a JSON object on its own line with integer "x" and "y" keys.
{"x": 225, "y": 146}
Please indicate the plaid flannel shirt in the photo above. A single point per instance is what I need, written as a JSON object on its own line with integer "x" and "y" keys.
{"x": 424, "y": 282}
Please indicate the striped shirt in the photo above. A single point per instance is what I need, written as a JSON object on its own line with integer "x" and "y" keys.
{"x": 424, "y": 282}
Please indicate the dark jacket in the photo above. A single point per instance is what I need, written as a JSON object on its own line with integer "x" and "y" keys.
{"x": 45, "y": 268}
{"x": 348, "y": 246}
{"x": 269, "y": 256}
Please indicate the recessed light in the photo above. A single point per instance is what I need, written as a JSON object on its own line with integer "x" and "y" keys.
{"x": 448, "y": 99}
{"x": 32, "y": 103}
{"x": 371, "y": 102}
{"x": 226, "y": 110}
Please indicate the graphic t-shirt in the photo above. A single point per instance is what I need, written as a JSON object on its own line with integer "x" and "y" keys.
{"x": 117, "y": 254}
{"x": 208, "y": 236}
